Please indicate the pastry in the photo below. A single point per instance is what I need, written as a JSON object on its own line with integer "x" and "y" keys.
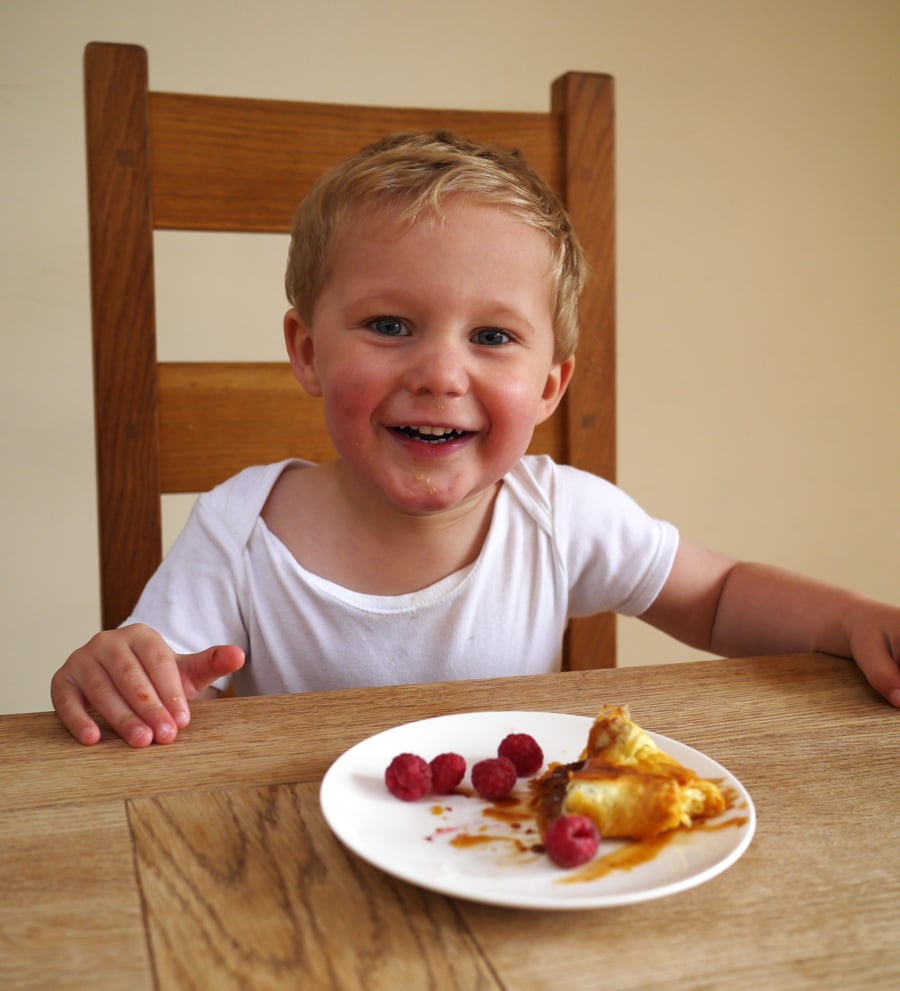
{"x": 624, "y": 783}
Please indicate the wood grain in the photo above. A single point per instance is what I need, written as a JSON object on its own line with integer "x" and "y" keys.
{"x": 234, "y": 164}
{"x": 268, "y": 898}
{"x": 123, "y": 316}
{"x": 586, "y": 106}
{"x": 70, "y": 911}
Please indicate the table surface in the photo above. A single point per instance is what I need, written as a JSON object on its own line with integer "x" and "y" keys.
{"x": 207, "y": 863}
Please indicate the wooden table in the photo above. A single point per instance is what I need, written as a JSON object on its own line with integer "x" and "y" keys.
{"x": 207, "y": 864}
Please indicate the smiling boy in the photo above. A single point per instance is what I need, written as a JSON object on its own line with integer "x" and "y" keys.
{"x": 432, "y": 348}
{"x": 433, "y": 286}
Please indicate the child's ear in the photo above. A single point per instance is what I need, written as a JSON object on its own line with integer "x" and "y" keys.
{"x": 299, "y": 343}
{"x": 555, "y": 388}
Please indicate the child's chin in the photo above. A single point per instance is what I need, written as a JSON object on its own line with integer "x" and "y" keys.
{"x": 422, "y": 505}
{"x": 422, "y": 496}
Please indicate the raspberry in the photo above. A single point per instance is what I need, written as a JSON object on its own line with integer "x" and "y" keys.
{"x": 408, "y": 777}
{"x": 494, "y": 777}
{"x": 571, "y": 840}
{"x": 523, "y": 750}
{"x": 447, "y": 771}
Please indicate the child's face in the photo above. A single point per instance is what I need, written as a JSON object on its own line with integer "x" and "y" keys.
{"x": 432, "y": 348}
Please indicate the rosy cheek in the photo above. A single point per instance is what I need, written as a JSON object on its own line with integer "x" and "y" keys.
{"x": 516, "y": 409}
{"x": 347, "y": 407}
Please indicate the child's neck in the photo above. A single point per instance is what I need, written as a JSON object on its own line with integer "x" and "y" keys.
{"x": 343, "y": 534}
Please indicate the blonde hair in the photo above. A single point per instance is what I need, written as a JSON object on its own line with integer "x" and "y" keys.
{"x": 418, "y": 171}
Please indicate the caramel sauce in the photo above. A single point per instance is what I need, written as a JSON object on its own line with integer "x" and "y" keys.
{"x": 626, "y": 858}
{"x": 514, "y": 815}
{"x": 466, "y": 840}
{"x": 712, "y": 827}
{"x": 522, "y": 813}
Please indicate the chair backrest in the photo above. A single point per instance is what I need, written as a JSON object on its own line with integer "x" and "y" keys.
{"x": 185, "y": 162}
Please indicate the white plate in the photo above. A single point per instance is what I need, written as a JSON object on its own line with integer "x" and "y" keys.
{"x": 412, "y": 840}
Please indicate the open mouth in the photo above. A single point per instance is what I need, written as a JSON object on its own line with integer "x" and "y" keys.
{"x": 431, "y": 435}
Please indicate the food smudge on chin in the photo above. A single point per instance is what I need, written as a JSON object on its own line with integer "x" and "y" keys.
{"x": 428, "y": 484}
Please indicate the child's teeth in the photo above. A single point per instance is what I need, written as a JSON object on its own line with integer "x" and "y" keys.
{"x": 435, "y": 433}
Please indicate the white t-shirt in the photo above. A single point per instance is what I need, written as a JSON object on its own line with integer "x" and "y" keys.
{"x": 561, "y": 543}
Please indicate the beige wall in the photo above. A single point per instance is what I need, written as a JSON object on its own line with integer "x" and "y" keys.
{"x": 758, "y": 246}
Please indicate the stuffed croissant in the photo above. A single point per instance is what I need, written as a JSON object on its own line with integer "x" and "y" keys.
{"x": 624, "y": 783}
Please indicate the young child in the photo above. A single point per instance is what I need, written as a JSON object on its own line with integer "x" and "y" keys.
{"x": 434, "y": 289}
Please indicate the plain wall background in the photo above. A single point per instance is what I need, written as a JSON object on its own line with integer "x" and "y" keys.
{"x": 758, "y": 248}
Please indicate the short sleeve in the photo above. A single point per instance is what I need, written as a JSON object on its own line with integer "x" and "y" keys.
{"x": 616, "y": 556}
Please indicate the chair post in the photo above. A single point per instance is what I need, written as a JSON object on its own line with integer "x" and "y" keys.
{"x": 584, "y": 103}
{"x": 123, "y": 315}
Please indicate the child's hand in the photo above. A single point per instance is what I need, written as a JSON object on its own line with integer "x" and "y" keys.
{"x": 874, "y": 632}
{"x": 739, "y": 609}
{"x": 132, "y": 678}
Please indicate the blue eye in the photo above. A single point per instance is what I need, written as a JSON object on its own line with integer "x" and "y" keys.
{"x": 388, "y": 326}
{"x": 491, "y": 337}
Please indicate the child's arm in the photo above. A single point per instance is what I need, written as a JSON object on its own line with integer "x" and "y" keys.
{"x": 738, "y": 609}
{"x": 132, "y": 678}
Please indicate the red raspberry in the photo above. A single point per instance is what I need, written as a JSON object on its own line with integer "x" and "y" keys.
{"x": 494, "y": 777}
{"x": 523, "y": 750}
{"x": 447, "y": 771}
{"x": 571, "y": 840}
{"x": 408, "y": 777}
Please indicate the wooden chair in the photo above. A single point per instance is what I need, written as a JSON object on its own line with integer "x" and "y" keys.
{"x": 176, "y": 161}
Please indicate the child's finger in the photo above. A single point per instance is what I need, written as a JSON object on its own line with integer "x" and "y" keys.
{"x": 200, "y": 670}
{"x": 141, "y": 694}
{"x": 878, "y": 657}
{"x": 883, "y": 675}
{"x": 100, "y": 692}
{"x": 69, "y": 705}
{"x": 155, "y": 690}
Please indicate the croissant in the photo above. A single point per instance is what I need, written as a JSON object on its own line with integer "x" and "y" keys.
{"x": 624, "y": 783}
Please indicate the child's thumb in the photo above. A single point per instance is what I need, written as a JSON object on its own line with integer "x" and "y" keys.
{"x": 200, "y": 670}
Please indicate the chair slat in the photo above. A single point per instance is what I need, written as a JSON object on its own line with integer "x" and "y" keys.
{"x": 233, "y": 164}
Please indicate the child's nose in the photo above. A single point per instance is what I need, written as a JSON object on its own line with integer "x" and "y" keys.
{"x": 438, "y": 370}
